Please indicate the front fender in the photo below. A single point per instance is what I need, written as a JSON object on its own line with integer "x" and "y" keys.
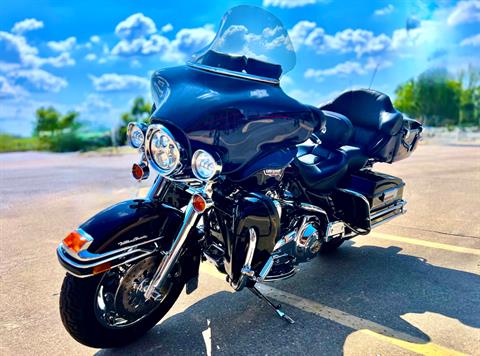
{"x": 121, "y": 233}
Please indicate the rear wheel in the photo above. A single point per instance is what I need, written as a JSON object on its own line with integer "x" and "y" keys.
{"x": 330, "y": 246}
{"x": 110, "y": 310}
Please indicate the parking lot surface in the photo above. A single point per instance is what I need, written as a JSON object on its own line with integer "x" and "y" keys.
{"x": 412, "y": 286}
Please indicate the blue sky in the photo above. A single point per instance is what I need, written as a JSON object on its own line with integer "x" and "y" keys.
{"x": 96, "y": 56}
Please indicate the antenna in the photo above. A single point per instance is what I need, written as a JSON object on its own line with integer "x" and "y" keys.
{"x": 373, "y": 75}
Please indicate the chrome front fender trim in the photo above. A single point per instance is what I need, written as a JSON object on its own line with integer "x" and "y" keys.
{"x": 130, "y": 256}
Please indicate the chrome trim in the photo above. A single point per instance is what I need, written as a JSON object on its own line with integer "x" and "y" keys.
{"x": 398, "y": 205}
{"x": 402, "y": 211}
{"x": 265, "y": 270}
{"x": 173, "y": 254}
{"x": 315, "y": 209}
{"x": 232, "y": 73}
{"x": 217, "y": 162}
{"x": 142, "y": 127}
{"x": 157, "y": 188}
{"x": 65, "y": 258}
{"x": 252, "y": 244}
{"x": 152, "y": 129}
{"x": 86, "y": 256}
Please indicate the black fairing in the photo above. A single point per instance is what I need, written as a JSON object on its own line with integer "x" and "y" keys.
{"x": 131, "y": 219}
{"x": 241, "y": 119}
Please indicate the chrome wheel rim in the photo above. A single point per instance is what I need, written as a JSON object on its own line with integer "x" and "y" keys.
{"x": 119, "y": 298}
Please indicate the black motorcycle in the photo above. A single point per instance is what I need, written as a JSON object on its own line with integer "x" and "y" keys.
{"x": 249, "y": 180}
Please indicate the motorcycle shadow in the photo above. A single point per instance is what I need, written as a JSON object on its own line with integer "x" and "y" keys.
{"x": 370, "y": 282}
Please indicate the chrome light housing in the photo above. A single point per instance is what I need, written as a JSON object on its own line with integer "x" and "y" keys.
{"x": 205, "y": 166}
{"x": 161, "y": 149}
{"x": 136, "y": 134}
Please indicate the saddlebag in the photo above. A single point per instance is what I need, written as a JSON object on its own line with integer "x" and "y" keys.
{"x": 376, "y": 198}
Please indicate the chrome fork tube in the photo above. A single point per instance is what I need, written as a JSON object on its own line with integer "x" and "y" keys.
{"x": 158, "y": 189}
{"x": 171, "y": 257}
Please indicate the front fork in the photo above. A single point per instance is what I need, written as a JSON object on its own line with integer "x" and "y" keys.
{"x": 192, "y": 214}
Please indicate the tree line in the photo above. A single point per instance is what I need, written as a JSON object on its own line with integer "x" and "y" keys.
{"x": 437, "y": 98}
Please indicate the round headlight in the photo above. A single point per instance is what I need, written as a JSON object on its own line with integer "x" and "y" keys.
{"x": 162, "y": 150}
{"x": 135, "y": 134}
{"x": 204, "y": 165}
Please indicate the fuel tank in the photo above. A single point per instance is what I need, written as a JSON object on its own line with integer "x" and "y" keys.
{"x": 241, "y": 119}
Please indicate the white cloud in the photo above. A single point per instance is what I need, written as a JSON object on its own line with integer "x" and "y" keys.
{"x": 95, "y": 39}
{"x": 300, "y": 32}
{"x": 311, "y": 96}
{"x": 377, "y": 63}
{"x": 288, "y": 3}
{"x": 9, "y": 90}
{"x": 38, "y": 80}
{"x": 340, "y": 69}
{"x": 286, "y": 81}
{"x": 117, "y": 82}
{"x": 62, "y": 46}
{"x": 27, "y": 25}
{"x": 471, "y": 41}
{"x": 189, "y": 40}
{"x": 167, "y": 28}
{"x": 142, "y": 42}
{"x": 348, "y": 68}
{"x": 90, "y": 57}
{"x": 94, "y": 103}
{"x": 62, "y": 60}
{"x": 349, "y": 40}
{"x": 384, "y": 10}
{"x": 465, "y": 12}
{"x": 15, "y": 49}
{"x": 141, "y": 46}
{"x": 135, "y": 26}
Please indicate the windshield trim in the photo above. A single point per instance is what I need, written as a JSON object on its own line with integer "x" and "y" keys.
{"x": 231, "y": 73}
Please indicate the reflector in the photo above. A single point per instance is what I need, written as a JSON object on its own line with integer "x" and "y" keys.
{"x": 199, "y": 203}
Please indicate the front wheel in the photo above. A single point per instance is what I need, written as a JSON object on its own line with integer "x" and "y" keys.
{"x": 110, "y": 310}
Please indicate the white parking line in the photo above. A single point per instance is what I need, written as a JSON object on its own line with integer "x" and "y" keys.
{"x": 425, "y": 243}
{"x": 371, "y": 328}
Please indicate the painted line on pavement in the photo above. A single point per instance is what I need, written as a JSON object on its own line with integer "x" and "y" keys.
{"x": 368, "y": 327}
{"x": 418, "y": 242}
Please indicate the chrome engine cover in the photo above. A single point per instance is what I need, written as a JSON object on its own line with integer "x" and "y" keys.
{"x": 308, "y": 239}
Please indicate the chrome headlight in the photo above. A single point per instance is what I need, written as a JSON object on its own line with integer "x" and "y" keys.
{"x": 136, "y": 134}
{"x": 162, "y": 150}
{"x": 205, "y": 166}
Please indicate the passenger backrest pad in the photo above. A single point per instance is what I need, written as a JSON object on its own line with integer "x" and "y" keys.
{"x": 338, "y": 130}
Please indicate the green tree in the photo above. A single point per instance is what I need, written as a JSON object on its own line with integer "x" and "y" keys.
{"x": 405, "y": 98}
{"x": 438, "y": 99}
{"x": 140, "y": 112}
{"x": 57, "y": 132}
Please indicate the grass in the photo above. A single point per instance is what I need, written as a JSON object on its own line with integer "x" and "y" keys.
{"x": 9, "y": 143}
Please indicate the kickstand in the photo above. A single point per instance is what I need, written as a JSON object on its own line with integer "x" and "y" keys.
{"x": 277, "y": 307}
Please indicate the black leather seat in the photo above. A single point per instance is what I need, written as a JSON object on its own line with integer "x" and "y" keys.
{"x": 338, "y": 133}
{"x": 320, "y": 168}
{"x": 375, "y": 121}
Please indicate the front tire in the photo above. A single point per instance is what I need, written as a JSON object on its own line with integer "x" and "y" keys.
{"x": 79, "y": 312}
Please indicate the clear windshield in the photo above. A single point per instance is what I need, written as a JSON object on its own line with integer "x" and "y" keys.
{"x": 252, "y": 34}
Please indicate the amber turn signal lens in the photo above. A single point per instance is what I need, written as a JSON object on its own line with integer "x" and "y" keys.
{"x": 140, "y": 171}
{"x": 102, "y": 268}
{"x": 75, "y": 241}
{"x": 199, "y": 203}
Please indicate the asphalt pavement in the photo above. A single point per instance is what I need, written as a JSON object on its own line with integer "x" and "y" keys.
{"x": 412, "y": 286}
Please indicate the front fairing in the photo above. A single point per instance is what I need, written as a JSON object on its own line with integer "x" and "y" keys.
{"x": 240, "y": 119}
